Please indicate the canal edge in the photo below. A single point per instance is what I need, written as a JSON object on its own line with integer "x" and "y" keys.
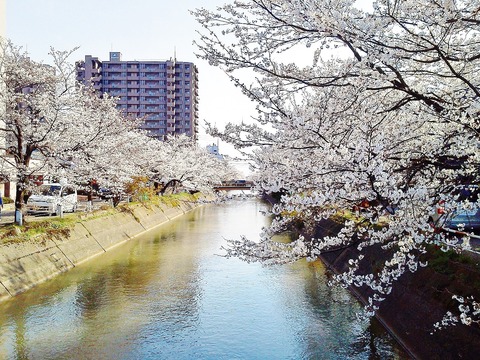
{"x": 27, "y": 265}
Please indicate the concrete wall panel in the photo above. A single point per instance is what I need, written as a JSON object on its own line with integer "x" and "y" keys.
{"x": 80, "y": 246}
{"x": 23, "y": 266}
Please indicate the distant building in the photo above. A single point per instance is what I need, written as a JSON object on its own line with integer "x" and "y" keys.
{"x": 213, "y": 149}
{"x": 163, "y": 93}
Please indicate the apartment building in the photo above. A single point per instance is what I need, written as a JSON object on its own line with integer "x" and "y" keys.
{"x": 164, "y": 94}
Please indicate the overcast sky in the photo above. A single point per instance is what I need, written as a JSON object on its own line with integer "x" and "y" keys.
{"x": 139, "y": 29}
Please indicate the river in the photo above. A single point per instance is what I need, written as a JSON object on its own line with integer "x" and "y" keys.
{"x": 169, "y": 295}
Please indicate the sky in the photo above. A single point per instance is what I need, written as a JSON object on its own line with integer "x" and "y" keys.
{"x": 140, "y": 30}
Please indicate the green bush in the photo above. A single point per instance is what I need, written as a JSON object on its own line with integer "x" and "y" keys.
{"x": 441, "y": 261}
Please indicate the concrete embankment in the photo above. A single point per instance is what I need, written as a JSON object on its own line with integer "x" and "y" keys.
{"x": 24, "y": 265}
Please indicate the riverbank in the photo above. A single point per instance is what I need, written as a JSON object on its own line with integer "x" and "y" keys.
{"x": 417, "y": 301}
{"x": 26, "y": 264}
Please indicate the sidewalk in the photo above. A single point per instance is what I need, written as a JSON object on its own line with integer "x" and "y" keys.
{"x": 7, "y": 214}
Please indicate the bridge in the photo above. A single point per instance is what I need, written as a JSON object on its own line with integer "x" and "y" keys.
{"x": 235, "y": 185}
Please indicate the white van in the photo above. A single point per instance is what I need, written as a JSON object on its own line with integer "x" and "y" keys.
{"x": 47, "y": 198}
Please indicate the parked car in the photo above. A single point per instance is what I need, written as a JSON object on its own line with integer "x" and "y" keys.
{"x": 467, "y": 221}
{"x": 461, "y": 221}
{"x": 48, "y": 198}
{"x": 104, "y": 194}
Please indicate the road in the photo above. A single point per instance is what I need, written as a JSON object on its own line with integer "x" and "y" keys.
{"x": 8, "y": 212}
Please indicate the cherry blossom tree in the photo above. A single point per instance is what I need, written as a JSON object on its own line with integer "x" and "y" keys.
{"x": 32, "y": 126}
{"x": 114, "y": 150}
{"x": 374, "y": 110}
{"x": 180, "y": 162}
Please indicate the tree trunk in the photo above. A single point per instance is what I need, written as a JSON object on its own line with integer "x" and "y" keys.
{"x": 19, "y": 200}
{"x": 171, "y": 183}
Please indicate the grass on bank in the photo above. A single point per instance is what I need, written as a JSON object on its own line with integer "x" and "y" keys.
{"x": 58, "y": 228}
{"x": 38, "y": 231}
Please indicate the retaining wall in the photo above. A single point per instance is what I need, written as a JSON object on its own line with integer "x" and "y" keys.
{"x": 25, "y": 265}
{"x": 417, "y": 301}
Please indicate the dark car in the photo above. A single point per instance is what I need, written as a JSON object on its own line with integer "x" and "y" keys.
{"x": 105, "y": 193}
{"x": 465, "y": 221}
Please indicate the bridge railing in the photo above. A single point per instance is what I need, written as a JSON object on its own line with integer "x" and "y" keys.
{"x": 236, "y": 184}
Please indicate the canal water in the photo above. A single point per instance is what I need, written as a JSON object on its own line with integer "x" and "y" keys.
{"x": 169, "y": 295}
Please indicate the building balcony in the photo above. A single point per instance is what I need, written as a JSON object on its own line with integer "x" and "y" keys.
{"x": 148, "y": 92}
{"x": 152, "y": 109}
{"x": 115, "y": 77}
{"x": 151, "y": 77}
{"x": 151, "y": 103}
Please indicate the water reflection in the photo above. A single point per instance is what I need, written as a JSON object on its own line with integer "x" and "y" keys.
{"x": 168, "y": 296}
